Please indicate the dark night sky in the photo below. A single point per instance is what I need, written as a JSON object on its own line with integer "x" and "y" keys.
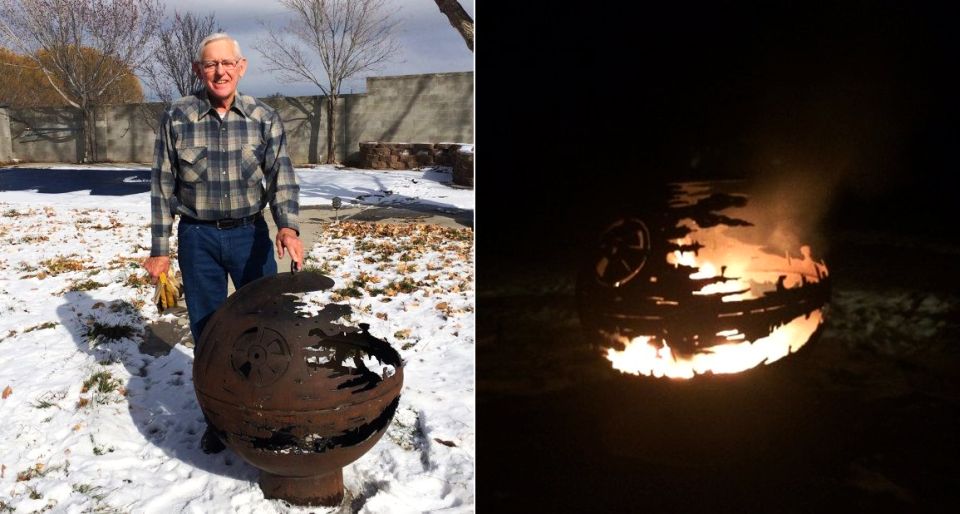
{"x": 593, "y": 105}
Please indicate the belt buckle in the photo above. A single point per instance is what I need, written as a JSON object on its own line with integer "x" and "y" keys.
{"x": 226, "y": 223}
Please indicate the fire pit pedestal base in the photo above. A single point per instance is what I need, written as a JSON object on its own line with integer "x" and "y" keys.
{"x": 317, "y": 490}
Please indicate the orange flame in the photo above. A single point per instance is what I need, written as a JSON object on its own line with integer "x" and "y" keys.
{"x": 641, "y": 356}
{"x": 745, "y": 278}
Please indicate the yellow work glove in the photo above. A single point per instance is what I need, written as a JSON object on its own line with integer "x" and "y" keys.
{"x": 169, "y": 289}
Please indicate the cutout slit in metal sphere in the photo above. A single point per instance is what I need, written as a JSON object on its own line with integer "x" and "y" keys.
{"x": 694, "y": 286}
{"x": 297, "y": 398}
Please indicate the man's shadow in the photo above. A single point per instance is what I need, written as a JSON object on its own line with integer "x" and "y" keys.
{"x": 160, "y": 395}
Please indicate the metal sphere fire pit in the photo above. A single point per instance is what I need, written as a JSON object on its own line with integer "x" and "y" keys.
{"x": 297, "y": 397}
{"x": 705, "y": 282}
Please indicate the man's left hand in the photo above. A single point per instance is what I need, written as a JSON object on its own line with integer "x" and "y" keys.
{"x": 287, "y": 240}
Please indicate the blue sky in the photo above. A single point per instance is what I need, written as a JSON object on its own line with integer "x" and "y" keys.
{"x": 428, "y": 42}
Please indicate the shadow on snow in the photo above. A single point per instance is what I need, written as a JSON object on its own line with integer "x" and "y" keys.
{"x": 160, "y": 395}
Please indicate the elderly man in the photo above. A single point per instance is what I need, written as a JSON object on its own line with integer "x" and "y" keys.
{"x": 220, "y": 158}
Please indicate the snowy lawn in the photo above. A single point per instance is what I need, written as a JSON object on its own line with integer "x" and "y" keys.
{"x": 93, "y": 425}
{"x": 429, "y": 186}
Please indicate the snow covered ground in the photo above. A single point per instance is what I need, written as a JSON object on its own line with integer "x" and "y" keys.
{"x": 320, "y": 184}
{"x": 93, "y": 425}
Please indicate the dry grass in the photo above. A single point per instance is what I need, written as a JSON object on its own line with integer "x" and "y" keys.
{"x": 138, "y": 280}
{"x": 62, "y": 264}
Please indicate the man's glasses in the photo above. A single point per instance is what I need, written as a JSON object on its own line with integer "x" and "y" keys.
{"x": 228, "y": 64}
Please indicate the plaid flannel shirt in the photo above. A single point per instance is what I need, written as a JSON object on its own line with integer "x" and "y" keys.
{"x": 210, "y": 168}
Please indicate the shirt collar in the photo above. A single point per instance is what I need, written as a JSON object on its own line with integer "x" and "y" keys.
{"x": 240, "y": 104}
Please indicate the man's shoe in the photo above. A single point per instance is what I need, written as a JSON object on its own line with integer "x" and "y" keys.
{"x": 210, "y": 443}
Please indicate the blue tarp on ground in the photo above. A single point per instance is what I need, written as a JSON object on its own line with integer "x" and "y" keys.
{"x": 99, "y": 182}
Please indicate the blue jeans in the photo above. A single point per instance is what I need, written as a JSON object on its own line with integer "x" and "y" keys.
{"x": 207, "y": 255}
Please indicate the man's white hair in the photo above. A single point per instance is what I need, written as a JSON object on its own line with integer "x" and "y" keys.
{"x": 217, "y": 36}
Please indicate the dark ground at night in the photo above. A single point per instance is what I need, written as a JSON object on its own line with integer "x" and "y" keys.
{"x": 863, "y": 98}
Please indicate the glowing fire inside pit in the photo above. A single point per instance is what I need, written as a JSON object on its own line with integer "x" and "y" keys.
{"x": 642, "y": 357}
{"x": 711, "y": 297}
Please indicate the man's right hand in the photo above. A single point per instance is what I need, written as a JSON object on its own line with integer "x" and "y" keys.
{"x": 157, "y": 265}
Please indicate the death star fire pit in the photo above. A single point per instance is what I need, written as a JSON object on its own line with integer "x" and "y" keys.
{"x": 297, "y": 397}
{"x": 703, "y": 282}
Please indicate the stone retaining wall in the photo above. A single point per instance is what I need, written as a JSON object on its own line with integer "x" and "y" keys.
{"x": 463, "y": 167}
{"x": 378, "y": 155}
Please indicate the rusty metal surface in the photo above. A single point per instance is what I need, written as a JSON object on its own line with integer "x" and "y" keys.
{"x": 296, "y": 396}
{"x": 313, "y": 490}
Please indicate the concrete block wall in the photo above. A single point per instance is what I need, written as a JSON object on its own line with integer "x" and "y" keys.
{"x": 48, "y": 134}
{"x": 304, "y": 119}
{"x": 412, "y": 108}
{"x": 6, "y": 149}
{"x": 434, "y": 107}
{"x": 127, "y": 133}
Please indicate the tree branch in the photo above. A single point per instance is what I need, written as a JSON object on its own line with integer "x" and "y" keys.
{"x": 459, "y": 18}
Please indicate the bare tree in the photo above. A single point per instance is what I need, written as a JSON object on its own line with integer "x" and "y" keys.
{"x": 459, "y": 19}
{"x": 60, "y": 36}
{"x": 169, "y": 73}
{"x": 349, "y": 36}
